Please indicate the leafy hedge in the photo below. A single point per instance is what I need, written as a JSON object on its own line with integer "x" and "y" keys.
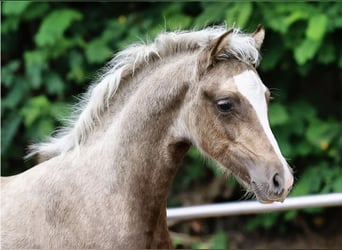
{"x": 51, "y": 51}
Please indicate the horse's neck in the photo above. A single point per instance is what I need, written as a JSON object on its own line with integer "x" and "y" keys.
{"x": 136, "y": 148}
{"x": 140, "y": 141}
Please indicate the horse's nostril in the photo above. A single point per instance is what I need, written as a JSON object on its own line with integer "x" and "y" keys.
{"x": 278, "y": 186}
{"x": 276, "y": 180}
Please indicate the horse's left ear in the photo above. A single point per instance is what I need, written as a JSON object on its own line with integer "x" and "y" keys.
{"x": 259, "y": 35}
{"x": 212, "y": 52}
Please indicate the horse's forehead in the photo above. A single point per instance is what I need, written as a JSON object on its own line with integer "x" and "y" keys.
{"x": 251, "y": 87}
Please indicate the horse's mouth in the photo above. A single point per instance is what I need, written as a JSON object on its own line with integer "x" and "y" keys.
{"x": 261, "y": 191}
{"x": 263, "y": 195}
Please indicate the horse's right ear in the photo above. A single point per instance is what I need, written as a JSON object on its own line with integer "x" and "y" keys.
{"x": 212, "y": 52}
{"x": 259, "y": 35}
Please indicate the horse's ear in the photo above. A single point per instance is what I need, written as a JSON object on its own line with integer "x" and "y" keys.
{"x": 212, "y": 52}
{"x": 259, "y": 35}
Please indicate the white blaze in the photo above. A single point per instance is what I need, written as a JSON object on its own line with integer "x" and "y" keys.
{"x": 250, "y": 86}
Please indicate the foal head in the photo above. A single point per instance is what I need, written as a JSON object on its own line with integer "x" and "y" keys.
{"x": 229, "y": 121}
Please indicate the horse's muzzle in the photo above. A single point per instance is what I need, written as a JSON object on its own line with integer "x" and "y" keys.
{"x": 276, "y": 189}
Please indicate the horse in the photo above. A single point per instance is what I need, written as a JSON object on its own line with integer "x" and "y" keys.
{"x": 103, "y": 180}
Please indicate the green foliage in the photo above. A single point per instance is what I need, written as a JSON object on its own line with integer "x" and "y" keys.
{"x": 265, "y": 221}
{"x": 218, "y": 241}
{"x": 14, "y": 9}
{"x": 51, "y": 51}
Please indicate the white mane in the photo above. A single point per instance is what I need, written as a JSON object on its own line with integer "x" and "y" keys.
{"x": 97, "y": 98}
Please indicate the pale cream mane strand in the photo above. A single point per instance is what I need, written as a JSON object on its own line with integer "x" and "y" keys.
{"x": 97, "y": 99}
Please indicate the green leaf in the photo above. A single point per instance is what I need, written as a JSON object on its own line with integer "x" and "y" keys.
{"x": 175, "y": 18}
{"x": 36, "y": 107}
{"x": 278, "y": 114}
{"x": 269, "y": 220}
{"x": 8, "y": 71}
{"x": 35, "y": 76}
{"x": 214, "y": 167}
{"x": 302, "y": 110}
{"x": 296, "y": 15}
{"x": 54, "y": 84}
{"x": 34, "y": 58}
{"x": 284, "y": 144}
{"x": 177, "y": 22}
{"x": 10, "y": 24}
{"x": 35, "y": 63}
{"x": 290, "y": 215}
{"x": 337, "y": 185}
{"x": 9, "y": 128}
{"x": 317, "y": 133}
{"x": 273, "y": 56}
{"x": 313, "y": 210}
{"x": 59, "y": 110}
{"x": 338, "y": 22}
{"x": 302, "y": 148}
{"x": 16, "y": 94}
{"x": 207, "y": 17}
{"x": 274, "y": 19}
{"x": 44, "y": 127}
{"x": 60, "y": 48}
{"x": 36, "y": 10}
{"x": 108, "y": 34}
{"x": 306, "y": 50}
{"x": 97, "y": 51}
{"x": 15, "y": 7}
{"x": 219, "y": 241}
{"x": 265, "y": 220}
{"x": 301, "y": 187}
{"x": 53, "y": 26}
{"x": 239, "y": 14}
{"x": 194, "y": 153}
{"x": 41, "y": 128}
{"x": 327, "y": 54}
{"x": 317, "y": 27}
{"x": 76, "y": 64}
{"x": 309, "y": 182}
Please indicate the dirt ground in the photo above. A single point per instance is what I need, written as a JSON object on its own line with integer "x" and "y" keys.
{"x": 322, "y": 231}
{"x": 307, "y": 230}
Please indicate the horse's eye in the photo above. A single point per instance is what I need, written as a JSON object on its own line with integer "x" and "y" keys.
{"x": 224, "y": 106}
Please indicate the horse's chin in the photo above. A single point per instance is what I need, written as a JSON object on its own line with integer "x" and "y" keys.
{"x": 264, "y": 200}
{"x": 260, "y": 195}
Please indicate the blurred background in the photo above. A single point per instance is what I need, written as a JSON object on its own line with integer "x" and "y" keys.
{"x": 50, "y": 52}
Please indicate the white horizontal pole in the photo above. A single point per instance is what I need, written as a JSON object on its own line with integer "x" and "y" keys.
{"x": 253, "y": 207}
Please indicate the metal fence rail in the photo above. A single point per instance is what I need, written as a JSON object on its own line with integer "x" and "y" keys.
{"x": 253, "y": 207}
